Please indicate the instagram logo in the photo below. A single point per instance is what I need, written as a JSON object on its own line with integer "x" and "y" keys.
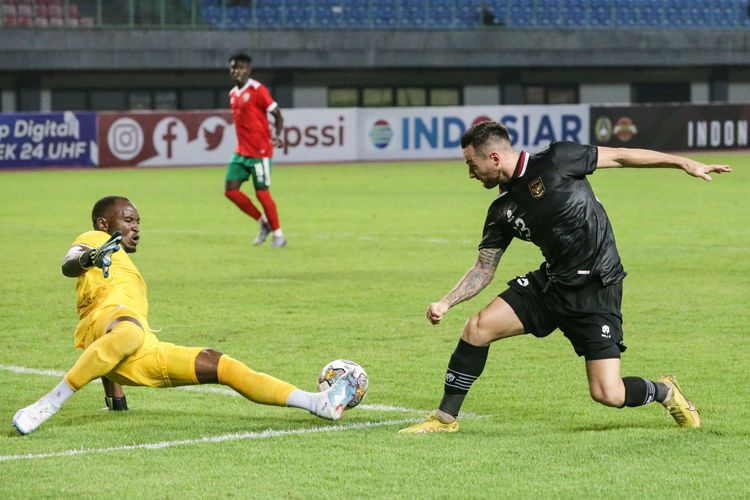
{"x": 125, "y": 138}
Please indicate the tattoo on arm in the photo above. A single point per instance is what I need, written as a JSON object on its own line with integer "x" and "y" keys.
{"x": 477, "y": 278}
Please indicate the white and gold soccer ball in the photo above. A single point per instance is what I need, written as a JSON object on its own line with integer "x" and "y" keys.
{"x": 337, "y": 368}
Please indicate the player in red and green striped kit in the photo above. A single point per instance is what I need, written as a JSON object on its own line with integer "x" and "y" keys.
{"x": 251, "y": 102}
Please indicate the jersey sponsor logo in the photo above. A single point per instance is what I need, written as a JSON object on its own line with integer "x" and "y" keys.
{"x": 522, "y": 280}
{"x": 537, "y": 188}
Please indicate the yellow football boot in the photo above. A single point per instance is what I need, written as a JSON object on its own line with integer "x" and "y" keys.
{"x": 430, "y": 424}
{"x": 681, "y": 408}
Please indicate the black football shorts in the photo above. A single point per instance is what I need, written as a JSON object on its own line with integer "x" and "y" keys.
{"x": 589, "y": 315}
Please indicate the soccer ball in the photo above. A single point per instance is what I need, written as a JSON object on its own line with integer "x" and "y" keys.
{"x": 335, "y": 369}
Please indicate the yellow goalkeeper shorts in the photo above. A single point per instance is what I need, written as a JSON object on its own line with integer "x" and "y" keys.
{"x": 166, "y": 365}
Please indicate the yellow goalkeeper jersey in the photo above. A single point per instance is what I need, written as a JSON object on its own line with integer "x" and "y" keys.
{"x": 124, "y": 286}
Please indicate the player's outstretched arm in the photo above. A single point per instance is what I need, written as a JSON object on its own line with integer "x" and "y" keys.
{"x": 80, "y": 258}
{"x": 474, "y": 281}
{"x": 631, "y": 157}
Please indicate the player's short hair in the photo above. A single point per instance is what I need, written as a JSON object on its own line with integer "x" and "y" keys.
{"x": 479, "y": 134}
{"x": 103, "y": 206}
{"x": 241, "y": 57}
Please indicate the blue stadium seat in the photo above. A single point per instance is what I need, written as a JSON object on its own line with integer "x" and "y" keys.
{"x": 547, "y": 13}
{"x": 574, "y": 16}
{"x": 521, "y": 15}
{"x": 466, "y": 14}
{"x": 356, "y": 16}
{"x": 385, "y": 14}
{"x": 601, "y": 17}
{"x": 268, "y": 16}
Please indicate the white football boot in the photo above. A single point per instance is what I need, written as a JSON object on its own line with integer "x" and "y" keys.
{"x": 27, "y": 420}
{"x": 263, "y": 232}
{"x": 278, "y": 241}
{"x": 332, "y": 403}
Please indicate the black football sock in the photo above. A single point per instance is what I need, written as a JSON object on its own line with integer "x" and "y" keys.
{"x": 640, "y": 391}
{"x": 662, "y": 392}
{"x": 466, "y": 365}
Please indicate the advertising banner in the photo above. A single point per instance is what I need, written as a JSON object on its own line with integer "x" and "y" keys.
{"x": 318, "y": 135}
{"x": 208, "y": 137}
{"x": 48, "y": 139}
{"x": 165, "y": 138}
{"x": 435, "y": 132}
{"x": 671, "y": 127}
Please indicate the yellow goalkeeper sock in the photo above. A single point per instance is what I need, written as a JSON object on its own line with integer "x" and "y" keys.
{"x": 105, "y": 353}
{"x": 257, "y": 387}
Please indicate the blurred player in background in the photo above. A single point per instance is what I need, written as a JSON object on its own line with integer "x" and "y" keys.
{"x": 120, "y": 347}
{"x": 251, "y": 102}
{"x": 546, "y": 199}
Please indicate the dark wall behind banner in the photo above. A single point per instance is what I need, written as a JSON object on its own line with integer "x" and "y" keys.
{"x": 671, "y": 127}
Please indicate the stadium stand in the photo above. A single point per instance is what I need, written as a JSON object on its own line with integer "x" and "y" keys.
{"x": 41, "y": 14}
{"x": 380, "y": 14}
{"x": 468, "y": 14}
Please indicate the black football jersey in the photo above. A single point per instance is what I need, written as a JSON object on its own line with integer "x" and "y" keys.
{"x": 550, "y": 203}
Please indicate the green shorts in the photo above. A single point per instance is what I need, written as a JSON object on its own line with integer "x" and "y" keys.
{"x": 241, "y": 168}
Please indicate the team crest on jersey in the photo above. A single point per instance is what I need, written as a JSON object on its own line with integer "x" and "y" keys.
{"x": 537, "y": 188}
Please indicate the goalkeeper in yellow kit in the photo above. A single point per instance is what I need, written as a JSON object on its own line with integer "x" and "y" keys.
{"x": 120, "y": 348}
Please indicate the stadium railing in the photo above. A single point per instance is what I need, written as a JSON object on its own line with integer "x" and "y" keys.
{"x": 376, "y": 14}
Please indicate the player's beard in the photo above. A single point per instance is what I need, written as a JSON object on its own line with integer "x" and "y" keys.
{"x": 490, "y": 184}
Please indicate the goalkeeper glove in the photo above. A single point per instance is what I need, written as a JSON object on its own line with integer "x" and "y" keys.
{"x": 101, "y": 257}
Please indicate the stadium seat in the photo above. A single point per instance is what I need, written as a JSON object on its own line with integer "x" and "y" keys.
{"x": 9, "y": 21}
{"x": 521, "y": 16}
{"x": 601, "y": 17}
{"x": 23, "y": 10}
{"x": 356, "y": 16}
{"x": 405, "y": 14}
{"x": 55, "y": 11}
{"x": 86, "y": 21}
{"x": 269, "y": 16}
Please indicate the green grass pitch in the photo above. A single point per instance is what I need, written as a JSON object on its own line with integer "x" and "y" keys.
{"x": 370, "y": 246}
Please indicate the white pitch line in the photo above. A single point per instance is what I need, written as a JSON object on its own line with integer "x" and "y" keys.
{"x": 270, "y": 433}
{"x": 32, "y": 371}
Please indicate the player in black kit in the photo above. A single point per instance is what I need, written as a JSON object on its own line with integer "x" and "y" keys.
{"x": 546, "y": 199}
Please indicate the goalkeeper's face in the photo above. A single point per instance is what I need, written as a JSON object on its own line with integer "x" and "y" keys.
{"x": 124, "y": 218}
